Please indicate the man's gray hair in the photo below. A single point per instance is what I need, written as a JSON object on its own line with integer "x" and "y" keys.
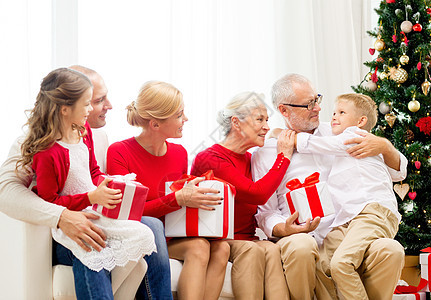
{"x": 282, "y": 90}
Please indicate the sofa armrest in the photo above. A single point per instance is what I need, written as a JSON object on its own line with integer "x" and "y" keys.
{"x": 26, "y": 260}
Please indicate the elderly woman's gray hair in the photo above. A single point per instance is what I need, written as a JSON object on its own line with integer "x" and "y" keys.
{"x": 282, "y": 90}
{"x": 239, "y": 106}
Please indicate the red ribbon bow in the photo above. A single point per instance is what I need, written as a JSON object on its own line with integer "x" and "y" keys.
{"x": 423, "y": 283}
{"x": 311, "y": 191}
{"x": 209, "y": 175}
{"x": 192, "y": 214}
{"x": 296, "y": 184}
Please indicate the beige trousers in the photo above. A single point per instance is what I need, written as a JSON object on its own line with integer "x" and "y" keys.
{"x": 299, "y": 253}
{"x": 257, "y": 272}
{"x": 360, "y": 259}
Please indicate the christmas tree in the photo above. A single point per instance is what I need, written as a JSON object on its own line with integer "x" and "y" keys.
{"x": 399, "y": 83}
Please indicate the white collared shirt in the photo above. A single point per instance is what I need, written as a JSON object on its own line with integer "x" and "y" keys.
{"x": 353, "y": 183}
{"x": 276, "y": 211}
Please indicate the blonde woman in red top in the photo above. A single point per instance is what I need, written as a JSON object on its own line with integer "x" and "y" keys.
{"x": 159, "y": 111}
{"x": 257, "y": 272}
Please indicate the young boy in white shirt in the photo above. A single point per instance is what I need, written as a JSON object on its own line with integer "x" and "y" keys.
{"x": 361, "y": 189}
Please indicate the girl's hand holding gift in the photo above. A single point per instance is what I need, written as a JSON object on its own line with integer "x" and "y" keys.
{"x": 105, "y": 196}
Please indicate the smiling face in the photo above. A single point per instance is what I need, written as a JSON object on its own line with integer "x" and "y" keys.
{"x": 172, "y": 127}
{"x": 345, "y": 115}
{"x": 78, "y": 113}
{"x": 301, "y": 119}
{"x": 99, "y": 102}
{"x": 254, "y": 127}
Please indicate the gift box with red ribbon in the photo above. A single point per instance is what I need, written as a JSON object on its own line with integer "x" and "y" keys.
{"x": 311, "y": 198}
{"x": 425, "y": 261}
{"x": 412, "y": 296}
{"x": 189, "y": 221}
{"x": 133, "y": 201}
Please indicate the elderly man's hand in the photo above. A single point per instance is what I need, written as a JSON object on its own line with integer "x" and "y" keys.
{"x": 77, "y": 226}
{"x": 370, "y": 145}
{"x": 367, "y": 145}
{"x": 290, "y": 227}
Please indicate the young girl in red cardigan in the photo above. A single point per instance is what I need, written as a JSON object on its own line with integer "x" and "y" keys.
{"x": 59, "y": 149}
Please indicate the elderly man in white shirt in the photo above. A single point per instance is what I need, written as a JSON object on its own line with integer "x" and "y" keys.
{"x": 295, "y": 98}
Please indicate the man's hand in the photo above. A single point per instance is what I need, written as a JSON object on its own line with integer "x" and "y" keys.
{"x": 371, "y": 145}
{"x": 77, "y": 226}
{"x": 290, "y": 227}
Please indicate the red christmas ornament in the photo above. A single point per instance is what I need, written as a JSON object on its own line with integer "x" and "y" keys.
{"x": 429, "y": 11}
{"x": 372, "y": 51}
{"x": 394, "y": 38}
{"x": 412, "y": 195}
{"x": 417, "y": 27}
{"x": 374, "y": 77}
{"x": 390, "y": 1}
{"x": 419, "y": 66}
{"x": 417, "y": 164}
{"x": 424, "y": 125}
{"x": 379, "y": 59}
{"x": 405, "y": 39}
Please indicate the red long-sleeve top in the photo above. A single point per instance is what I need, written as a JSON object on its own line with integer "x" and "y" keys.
{"x": 128, "y": 156}
{"x": 51, "y": 167}
{"x": 236, "y": 169}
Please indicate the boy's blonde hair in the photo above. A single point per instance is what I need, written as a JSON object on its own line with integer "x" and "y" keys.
{"x": 365, "y": 106}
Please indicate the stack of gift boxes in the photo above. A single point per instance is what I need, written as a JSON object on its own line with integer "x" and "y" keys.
{"x": 421, "y": 292}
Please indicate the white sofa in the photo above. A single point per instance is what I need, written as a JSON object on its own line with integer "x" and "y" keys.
{"x": 26, "y": 271}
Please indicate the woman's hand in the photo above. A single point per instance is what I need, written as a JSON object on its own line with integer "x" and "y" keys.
{"x": 193, "y": 196}
{"x": 286, "y": 142}
{"x": 105, "y": 196}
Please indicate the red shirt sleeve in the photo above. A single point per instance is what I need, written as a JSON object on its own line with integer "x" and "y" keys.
{"x": 248, "y": 191}
{"x": 50, "y": 182}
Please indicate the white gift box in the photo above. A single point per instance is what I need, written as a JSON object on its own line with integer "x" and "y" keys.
{"x": 218, "y": 223}
{"x": 423, "y": 260}
{"x": 415, "y": 296}
{"x": 310, "y": 201}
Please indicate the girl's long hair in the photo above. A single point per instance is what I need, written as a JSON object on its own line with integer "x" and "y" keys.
{"x": 60, "y": 87}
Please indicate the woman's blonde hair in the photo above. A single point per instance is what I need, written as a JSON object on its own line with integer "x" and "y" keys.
{"x": 156, "y": 100}
{"x": 365, "y": 106}
{"x": 61, "y": 87}
{"x": 240, "y": 106}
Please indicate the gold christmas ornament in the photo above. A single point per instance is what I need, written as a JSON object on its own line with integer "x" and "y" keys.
{"x": 401, "y": 189}
{"x": 390, "y": 118}
{"x": 371, "y": 86}
{"x": 383, "y": 75}
{"x": 425, "y": 87}
{"x": 379, "y": 44}
{"x": 414, "y": 105}
{"x": 404, "y": 59}
{"x": 406, "y": 26}
{"x": 399, "y": 75}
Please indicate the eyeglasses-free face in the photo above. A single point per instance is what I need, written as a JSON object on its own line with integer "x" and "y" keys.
{"x": 310, "y": 104}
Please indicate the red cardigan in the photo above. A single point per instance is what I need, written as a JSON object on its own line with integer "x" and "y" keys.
{"x": 51, "y": 167}
{"x": 236, "y": 169}
{"x": 128, "y": 156}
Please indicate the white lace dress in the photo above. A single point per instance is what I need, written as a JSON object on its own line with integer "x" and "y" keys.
{"x": 126, "y": 240}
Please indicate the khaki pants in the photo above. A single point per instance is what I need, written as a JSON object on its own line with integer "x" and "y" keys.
{"x": 257, "y": 272}
{"x": 361, "y": 257}
{"x": 299, "y": 253}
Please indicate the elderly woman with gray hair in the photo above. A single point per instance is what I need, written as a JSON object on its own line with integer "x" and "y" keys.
{"x": 257, "y": 271}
